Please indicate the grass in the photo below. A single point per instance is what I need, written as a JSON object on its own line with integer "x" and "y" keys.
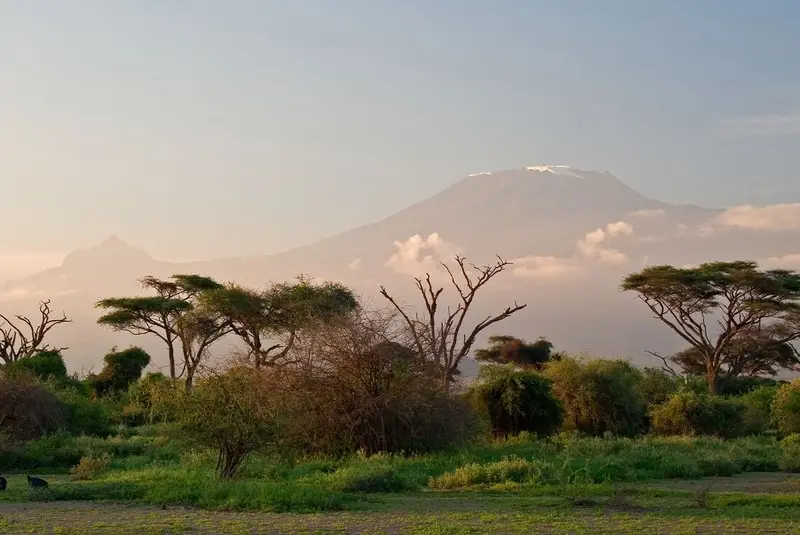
{"x": 153, "y": 484}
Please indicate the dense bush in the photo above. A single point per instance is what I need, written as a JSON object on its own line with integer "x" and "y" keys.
{"x": 514, "y": 401}
{"x": 757, "y": 403}
{"x": 599, "y": 396}
{"x": 359, "y": 390}
{"x": 790, "y": 453}
{"x": 235, "y": 413}
{"x": 655, "y": 385}
{"x": 44, "y": 365}
{"x": 120, "y": 371}
{"x": 690, "y": 413}
{"x": 85, "y": 416}
{"x": 28, "y": 411}
{"x": 156, "y": 397}
{"x": 786, "y": 408}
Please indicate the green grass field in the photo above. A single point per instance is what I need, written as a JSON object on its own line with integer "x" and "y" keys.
{"x": 563, "y": 485}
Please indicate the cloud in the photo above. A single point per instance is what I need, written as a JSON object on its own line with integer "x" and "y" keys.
{"x": 769, "y": 217}
{"x": 20, "y": 293}
{"x": 20, "y": 263}
{"x": 591, "y": 246}
{"x": 789, "y": 261}
{"x": 417, "y": 255}
{"x": 648, "y": 212}
{"x": 771, "y": 124}
{"x": 545, "y": 267}
{"x": 356, "y": 265}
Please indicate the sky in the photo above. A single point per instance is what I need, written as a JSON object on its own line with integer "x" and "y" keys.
{"x": 205, "y": 129}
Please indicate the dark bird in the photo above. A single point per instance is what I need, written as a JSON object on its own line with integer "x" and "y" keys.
{"x": 3, "y": 483}
{"x": 37, "y": 483}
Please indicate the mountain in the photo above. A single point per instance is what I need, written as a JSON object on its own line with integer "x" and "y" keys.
{"x": 571, "y": 234}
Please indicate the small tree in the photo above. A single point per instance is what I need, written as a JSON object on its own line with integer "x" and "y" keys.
{"x": 24, "y": 337}
{"x": 121, "y": 370}
{"x": 44, "y": 365}
{"x": 236, "y": 413}
{"x": 257, "y": 316}
{"x": 511, "y": 350}
{"x": 786, "y": 408}
{"x": 599, "y": 396}
{"x": 517, "y": 401}
{"x": 198, "y": 330}
{"x": 157, "y": 315}
{"x": 711, "y": 305}
{"x": 440, "y": 338}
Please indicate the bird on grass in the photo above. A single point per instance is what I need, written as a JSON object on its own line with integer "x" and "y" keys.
{"x": 3, "y": 483}
{"x": 37, "y": 483}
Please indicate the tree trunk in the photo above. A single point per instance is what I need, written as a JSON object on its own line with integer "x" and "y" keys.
{"x": 171, "y": 355}
{"x": 711, "y": 379}
{"x": 190, "y": 377}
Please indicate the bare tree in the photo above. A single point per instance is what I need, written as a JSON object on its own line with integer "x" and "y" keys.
{"x": 25, "y": 337}
{"x": 440, "y": 338}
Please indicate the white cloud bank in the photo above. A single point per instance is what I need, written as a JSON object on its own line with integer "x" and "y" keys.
{"x": 768, "y": 217}
{"x": 592, "y": 247}
{"x": 417, "y": 255}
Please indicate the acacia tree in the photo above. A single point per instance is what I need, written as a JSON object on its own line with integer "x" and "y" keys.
{"x": 25, "y": 337}
{"x": 197, "y": 330}
{"x": 506, "y": 349}
{"x": 443, "y": 339}
{"x": 257, "y": 316}
{"x": 712, "y": 305}
{"x": 157, "y": 315}
{"x": 755, "y": 352}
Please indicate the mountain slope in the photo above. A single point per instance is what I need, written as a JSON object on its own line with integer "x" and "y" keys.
{"x": 571, "y": 233}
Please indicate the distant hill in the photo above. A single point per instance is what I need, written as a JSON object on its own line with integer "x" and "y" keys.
{"x": 571, "y": 233}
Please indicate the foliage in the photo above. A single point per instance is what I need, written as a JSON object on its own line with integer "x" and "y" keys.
{"x": 599, "y": 396}
{"x": 356, "y": 387}
{"x": 517, "y": 401}
{"x": 690, "y": 413}
{"x": 43, "y": 365}
{"x": 161, "y": 316}
{"x": 790, "y": 453}
{"x": 756, "y": 352}
{"x": 28, "y": 411}
{"x": 786, "y": 408}
{"x": 158, "y": 396}
{"x": 236, "y": 413}
{"x": 121, "y": 369}
{"x": 735, "y": 298}
{"x": 285, "y": 309}
{"x": 757, "y": 416}
{"x": 510, "y": 350}
{"x": 655, "y": 385}
{"x": 84, "y": 416}
{"x": 90, "y": 467}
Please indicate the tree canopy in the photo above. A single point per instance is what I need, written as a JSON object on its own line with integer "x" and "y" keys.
{"x": 504, "y": 349}
{"x": 712, "y": 305}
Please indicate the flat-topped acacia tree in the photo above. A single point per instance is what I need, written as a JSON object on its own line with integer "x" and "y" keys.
{"x": 712, "y": 305}
{"x": 160, "y": 314}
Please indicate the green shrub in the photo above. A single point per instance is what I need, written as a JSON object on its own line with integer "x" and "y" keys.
{"x": 44, "y": 365}
{"x": 599, "y": 396}
{"x": 757, "y": 403}
{"x": 517, "y": 401}
{"x": 790, "y": 453}
{"x": 85, "y": 416}
{"x": 367, "y": 479}
{"x": 120, "y": 371}
{"x": 90, "y": 467}
{"x": 689, "y": 413}
{"x": 655, "y": 386}
{"x": 509, "y": 469}
{"x": 786, "y": 408}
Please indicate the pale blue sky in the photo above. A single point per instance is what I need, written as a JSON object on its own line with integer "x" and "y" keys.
{"x": 207, "y": 128}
